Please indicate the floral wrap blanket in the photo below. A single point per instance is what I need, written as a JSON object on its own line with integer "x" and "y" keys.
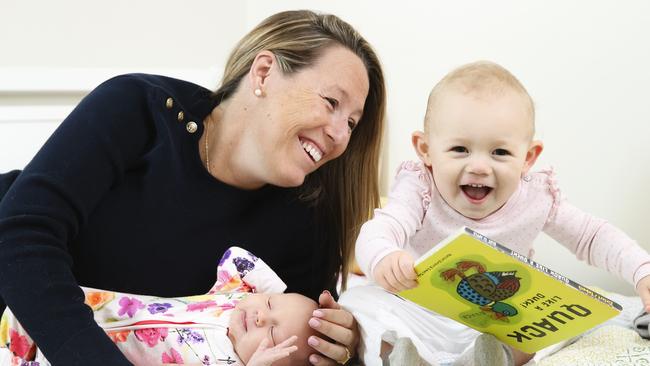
{"x": 152, "y": 330}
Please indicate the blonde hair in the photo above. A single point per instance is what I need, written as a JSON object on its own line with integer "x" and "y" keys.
{"x": 345, "y": 190}
{"x": 481, "y": 78}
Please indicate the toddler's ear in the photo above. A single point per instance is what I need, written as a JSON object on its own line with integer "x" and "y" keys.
{"x": 534, "y": 150}
{"x": 419, "y": 140}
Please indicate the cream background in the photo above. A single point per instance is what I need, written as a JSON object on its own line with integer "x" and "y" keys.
{"x": 583, "y": 62}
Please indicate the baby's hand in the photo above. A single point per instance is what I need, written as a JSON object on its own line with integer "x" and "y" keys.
{"x": 643, "y": 289}
{"x": 395, "y": 272}
{"x": 264, "y": 356}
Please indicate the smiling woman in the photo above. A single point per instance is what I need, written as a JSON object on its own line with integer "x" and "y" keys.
{"x": 150, "y": 172}
{"x": 313, "y": 108}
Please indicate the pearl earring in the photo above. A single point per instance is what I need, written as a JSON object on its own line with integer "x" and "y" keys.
{"x": 258, "y": 92}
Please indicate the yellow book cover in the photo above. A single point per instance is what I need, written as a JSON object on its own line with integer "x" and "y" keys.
{"x": 484, "y": 285}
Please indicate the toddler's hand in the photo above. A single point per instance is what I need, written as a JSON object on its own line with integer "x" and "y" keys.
{"x": 264, "y": 356}
{"x": 643, "y": 289}
{"x": 395, "y": 272}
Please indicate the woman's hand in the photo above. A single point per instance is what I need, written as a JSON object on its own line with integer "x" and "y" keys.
{"x": 643, "y": 289}
{"x": 337, "y": 324}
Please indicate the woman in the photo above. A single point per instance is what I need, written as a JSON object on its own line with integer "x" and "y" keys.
{"x": 150, "y": 179}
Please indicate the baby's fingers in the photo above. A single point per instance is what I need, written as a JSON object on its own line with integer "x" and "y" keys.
{"x": 645, "y": 299}
{"x": 280, "y": 353}
{"x": 643, "y": 290}
{"x": 263, "y": 345}
{"x": 265, "y": 356}
{"x": 391, "y": 281}
{"x": 287, "y": 342}
{"x": 407, "y": 273}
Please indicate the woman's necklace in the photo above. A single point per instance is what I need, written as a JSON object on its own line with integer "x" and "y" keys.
{"x": 207, "y": 146}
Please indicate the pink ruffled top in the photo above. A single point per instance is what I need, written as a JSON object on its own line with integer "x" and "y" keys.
{"x": 416, "y": 217}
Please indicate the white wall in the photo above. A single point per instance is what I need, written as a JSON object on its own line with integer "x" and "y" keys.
{"x": 584, "y": 63}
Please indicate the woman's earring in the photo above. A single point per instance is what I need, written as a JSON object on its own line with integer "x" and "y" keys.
{"x": 258, "y": 92}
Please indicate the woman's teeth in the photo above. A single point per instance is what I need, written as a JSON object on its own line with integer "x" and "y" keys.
{"x": 312, "y": 151}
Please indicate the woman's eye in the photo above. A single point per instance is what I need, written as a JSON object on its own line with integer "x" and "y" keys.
{"x": 268, "y": 302}
{"x": 352, "y": 124}
{"x": 459, "y": 149}
{"x": 333, "y": 102}
{"x": 501, "y": 152}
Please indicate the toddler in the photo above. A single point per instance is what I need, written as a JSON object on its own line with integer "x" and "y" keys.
{"x": 244, "y": 319}
{"x": 476, "y": 152}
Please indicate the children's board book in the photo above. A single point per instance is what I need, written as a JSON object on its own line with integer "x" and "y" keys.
{"x": 484, "y": 285}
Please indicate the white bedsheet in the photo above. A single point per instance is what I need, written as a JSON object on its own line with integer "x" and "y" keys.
{"x": 439, "y": 340}
{"x": 384, "y": 317}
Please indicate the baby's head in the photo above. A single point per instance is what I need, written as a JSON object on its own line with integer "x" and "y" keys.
{"x": 478, "y": 137}
{"x": 275, "y": 317}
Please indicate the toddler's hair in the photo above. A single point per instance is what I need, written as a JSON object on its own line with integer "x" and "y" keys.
{"x": 480, "y": 78}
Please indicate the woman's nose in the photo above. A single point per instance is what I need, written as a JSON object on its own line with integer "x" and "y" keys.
{"x": 338, "y": 131}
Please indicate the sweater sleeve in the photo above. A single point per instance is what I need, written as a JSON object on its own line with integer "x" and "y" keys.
{"x": 598, "y": 242}
{"x": 392, "y": 226}
{"x": 48, "y": 203}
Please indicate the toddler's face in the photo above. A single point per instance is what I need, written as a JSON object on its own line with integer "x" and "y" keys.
{"x": 478, "y": 149}
{"x": 275, "y": 317}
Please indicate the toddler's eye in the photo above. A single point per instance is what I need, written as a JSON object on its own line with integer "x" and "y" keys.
{"x": 501, "y": 152}
{"x": 459, "y": 149}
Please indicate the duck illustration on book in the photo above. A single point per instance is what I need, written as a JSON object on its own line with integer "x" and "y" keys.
{"x": 485, "y": 289}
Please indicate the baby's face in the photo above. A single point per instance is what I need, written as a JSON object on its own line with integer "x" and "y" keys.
{"x": 275, "y": 317}
{"x": 478, "y": 149}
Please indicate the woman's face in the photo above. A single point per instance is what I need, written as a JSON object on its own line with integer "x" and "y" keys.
{"x": 305, "y": 119}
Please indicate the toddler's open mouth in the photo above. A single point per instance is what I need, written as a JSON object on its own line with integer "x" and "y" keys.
{"x": 476, "y": 192}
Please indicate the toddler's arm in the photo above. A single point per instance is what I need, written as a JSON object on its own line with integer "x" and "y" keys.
{"x": 399, "y": 219}
{"x": 601, "y": 244}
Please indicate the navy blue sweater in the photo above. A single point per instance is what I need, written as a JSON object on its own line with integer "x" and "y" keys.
{"x": 118, "y": 199}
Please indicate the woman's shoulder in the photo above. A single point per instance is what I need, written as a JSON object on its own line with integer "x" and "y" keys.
{"x": 146, "y": 82}
{"x": 135, "y": 94}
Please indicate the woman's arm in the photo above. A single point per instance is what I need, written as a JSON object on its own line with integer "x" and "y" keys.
{"x": 46, "y": 206}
